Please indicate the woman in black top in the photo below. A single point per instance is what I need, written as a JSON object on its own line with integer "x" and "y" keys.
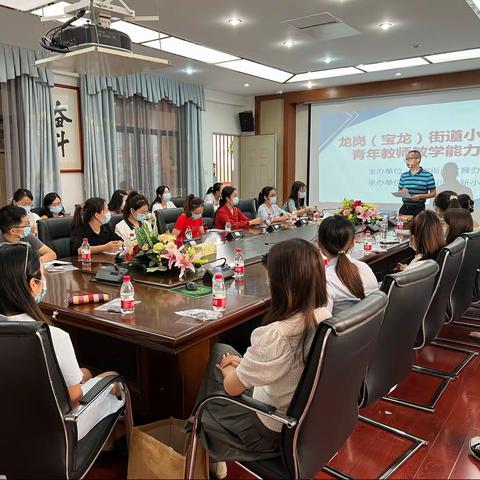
{"x": 92, "y": 222}
{"x": 52, "y": 206}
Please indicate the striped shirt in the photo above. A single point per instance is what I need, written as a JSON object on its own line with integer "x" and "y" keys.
{"x": 419, "y": 184}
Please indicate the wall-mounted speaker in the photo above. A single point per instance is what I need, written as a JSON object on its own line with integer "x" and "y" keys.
{"x": 247, "y": 123}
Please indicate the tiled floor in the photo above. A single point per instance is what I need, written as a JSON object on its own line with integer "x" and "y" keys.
{"x": 369, "y": 451}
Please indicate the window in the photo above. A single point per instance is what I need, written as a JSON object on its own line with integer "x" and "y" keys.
{"x": 225, "y": 158}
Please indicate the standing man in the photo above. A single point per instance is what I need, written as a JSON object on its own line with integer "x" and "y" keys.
{"x": 419, "y": 183}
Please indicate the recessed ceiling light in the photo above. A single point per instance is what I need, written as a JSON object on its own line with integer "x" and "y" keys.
{"x": 234, "y": 21}
{"x": 280, "y": 92}
{"x": 327, "y": 60}
{"x": 386, "y": 25}
{"x": 288, "y": 43}
{"x": 137, "y": 33}
{"x": 246, "y": 84}
{"x": 24, "y": 5}
{"x": 335, "y": 72}
{"x": 189, "y": 70}
{"x": 309, "y": 85}
{"x": 407, "y": 62}
{"x": 398, "y": 74}
{"x": 454, "y": 56}
{"x": 257, "y": 70}
{"x": 183, "y": 48}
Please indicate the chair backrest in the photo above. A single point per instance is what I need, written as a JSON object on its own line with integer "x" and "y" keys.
{"x": 116, "y": 218}
{"x": 449, "y": 260}
{"x": 248, "y": 207}
{"x": 462, "y": 293}
{"x": 208, "y": 214}
{"x": 325, "y": 401}
{"x": 55, "y": 233}
{"x": 34, "y": 439}
{"x": 178, "y": 201}
{"x": 166, "y": 218}
{"x": 409, "y": 293}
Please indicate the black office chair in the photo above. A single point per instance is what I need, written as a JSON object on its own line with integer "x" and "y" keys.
{"x": 116, "y": 218}
{"x": 449, "y": 261}
{"x": 166, "y": 218}
{"x": 248, "y": 208}
{"x": 409, "y": 294}
{"x": 55, "y": 233}
{"x": 178, "y": 201}
{"x": 39, "y": 426}
{"x": 208, "y": 215}
{"x": 324, "y": 409}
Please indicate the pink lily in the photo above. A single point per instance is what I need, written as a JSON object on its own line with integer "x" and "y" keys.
{"x": 185, "y": 262}
{"x": 170, "y": 255}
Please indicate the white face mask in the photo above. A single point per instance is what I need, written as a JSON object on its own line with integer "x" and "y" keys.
{"x": 302, "y": 195}
{"x": 273, "y": 200}
{"x": 235, "y": 200}
{"x": 166, "y": 197}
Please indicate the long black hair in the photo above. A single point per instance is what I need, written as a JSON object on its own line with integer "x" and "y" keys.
{"x": 215, "y": 188}
{"x": 335, "y": 234}
{"x": 83, "y": 214}
{"x": 299, "y": 202}
{"x": 116, "y": 202}
{"x": 264, "y": 193}
{"x": 48, "y": 199}
{"x": 15, "y": 294}
{"x": 160, "y": 191}
{"x": 134, "y": 201}
{"x": 226, "y": 192}
{"x": 445, "y": 200}
{"x": 466, "y": 202}
{"x": 191, "y": 203}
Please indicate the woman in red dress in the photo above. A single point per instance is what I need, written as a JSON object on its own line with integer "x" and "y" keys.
{"x": 190, "y": 218}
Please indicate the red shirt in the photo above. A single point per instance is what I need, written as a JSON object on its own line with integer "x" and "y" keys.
{"x": 183, "y": 222}
{"x": 237, "y": 219}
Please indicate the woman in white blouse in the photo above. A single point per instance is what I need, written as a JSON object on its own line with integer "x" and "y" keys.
{"x": 134, "y": 215}
{"x": 271, "y": 368}
{"x": 213, "y": 195}
{"x": 23, "y": 286}
{"x": 162, "y": 200}
{"x": 268, "y": 209}
{"x": 348, "y": 280}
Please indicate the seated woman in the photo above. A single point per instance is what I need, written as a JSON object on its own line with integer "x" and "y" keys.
{"x": 468, "y": 204}
{"x": 272, "y": 366}
{"x": 228, "y": 212}
{"x": 23, "y": 286}
{"x": 162, "y": 200}
{"x": 134, "y": 215}
{"x": 268, "y": 209}
{"x": 52, "y": 206}
{"x": 213, "y": 195}
{"x": 91, "y": 222}
{"x": 15, "y": 227}
{"x": 458, "y": 221}
{"x": 190, "y": 218}
{"x": 296, "y": 200}
{"x": 445, "y": 200}
{"x": 427, "y": 238}
{"x": 23, "y": 198}
{"x": 117, "y": 202}
{"x": 348, "y": 280}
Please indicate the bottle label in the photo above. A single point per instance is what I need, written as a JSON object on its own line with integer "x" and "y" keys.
{"x": 219, "y": 302}
{"x": 239, "y": 269}
{"x": 128, "y": 304}
{"x": 86, "y": 257}
{"x": 368, "y": 247}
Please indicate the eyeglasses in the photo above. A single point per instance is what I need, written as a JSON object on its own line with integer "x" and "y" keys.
{"x": 25, "y": 244}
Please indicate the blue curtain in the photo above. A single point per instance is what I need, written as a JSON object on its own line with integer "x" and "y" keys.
{"x": 100, "y": 149}
{"x": 31, "y": 157}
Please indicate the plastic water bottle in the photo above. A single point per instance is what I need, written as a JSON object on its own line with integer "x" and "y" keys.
{"x": 219, "y": 294}
{"x": 294, "y": 216}
{"x": 228, "y": 227}
{"x": 316, "y": 216}
{"x": 239, "y": 267}
{"x": 367, "y": 242}
{"x": 384, "y": 227}
{"x": 127, "y": 296}
{"x": 268, "y": 220}
{"x": 399, "y": 229}
{"x": 86, "y": 251}
{"x": 188, "y": 234}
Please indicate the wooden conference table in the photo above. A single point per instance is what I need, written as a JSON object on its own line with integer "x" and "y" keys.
{"x": 161, "y": 354}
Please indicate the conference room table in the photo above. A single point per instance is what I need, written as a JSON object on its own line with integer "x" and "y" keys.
{"x": 162, "y": 354}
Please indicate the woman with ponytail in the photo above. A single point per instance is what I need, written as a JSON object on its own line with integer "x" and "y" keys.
{"x": 445, "y": 200}
{"x": 348, "y": 280}
{"x": 213, "y": 195}
{"x": 190, "y": 218}
{"x": 91, "y": 221}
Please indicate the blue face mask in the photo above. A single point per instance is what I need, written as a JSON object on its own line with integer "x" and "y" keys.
{"x": 236, "y": 200}
{"x": 196, "y": 216}
{"x": 27, "y": 208}
{"x": 166, "y": 197}
{"x": 56, "y": 209}
{"x": 302, "y": 195}
{"x": 141, "y": 217}
{"x": 41, "y": 296}
{"x": 107, "y": 218}
{"x": 273, "y": 200}
{"x": 27, "y": 231}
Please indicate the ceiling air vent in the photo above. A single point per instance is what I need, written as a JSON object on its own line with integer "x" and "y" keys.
{"x": 323, "y": 26}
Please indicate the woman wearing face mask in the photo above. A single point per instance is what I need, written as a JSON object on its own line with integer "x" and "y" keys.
{"x": 213, "y": 195}
{"x": 23, "y": 198}
{"x": 23, "y": 286}
{"x": 190, "y": 218}
{"x": 117, "y": 202}
{"x": 52, "y": 207}
{"x": 91, "y": 222}
{"x": 296, "y": 199}
{"x": 229, "y": 213}
{"x": 134, "y": 215}
{"x": 15, "y": 227}
{"x": 268, "y": 208}
{"x": 162, "y": 199}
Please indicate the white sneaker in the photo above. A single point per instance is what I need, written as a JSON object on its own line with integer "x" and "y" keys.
{"x": 218, "y": 470}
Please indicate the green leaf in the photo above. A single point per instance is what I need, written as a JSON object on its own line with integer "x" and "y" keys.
{"x": 159, "y": 268}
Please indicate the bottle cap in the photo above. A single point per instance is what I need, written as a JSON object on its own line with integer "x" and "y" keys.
{"x": 238, "y": 250}
{"x": 85, "y": 240}
{"x": 127, "y": 278}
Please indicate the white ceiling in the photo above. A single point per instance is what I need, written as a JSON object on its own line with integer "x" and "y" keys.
{"x": 437, "y": 25}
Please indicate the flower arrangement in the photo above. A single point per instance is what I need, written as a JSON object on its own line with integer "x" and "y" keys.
{"x": 156, "y": 252}
{"x": 359, "y": 212}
